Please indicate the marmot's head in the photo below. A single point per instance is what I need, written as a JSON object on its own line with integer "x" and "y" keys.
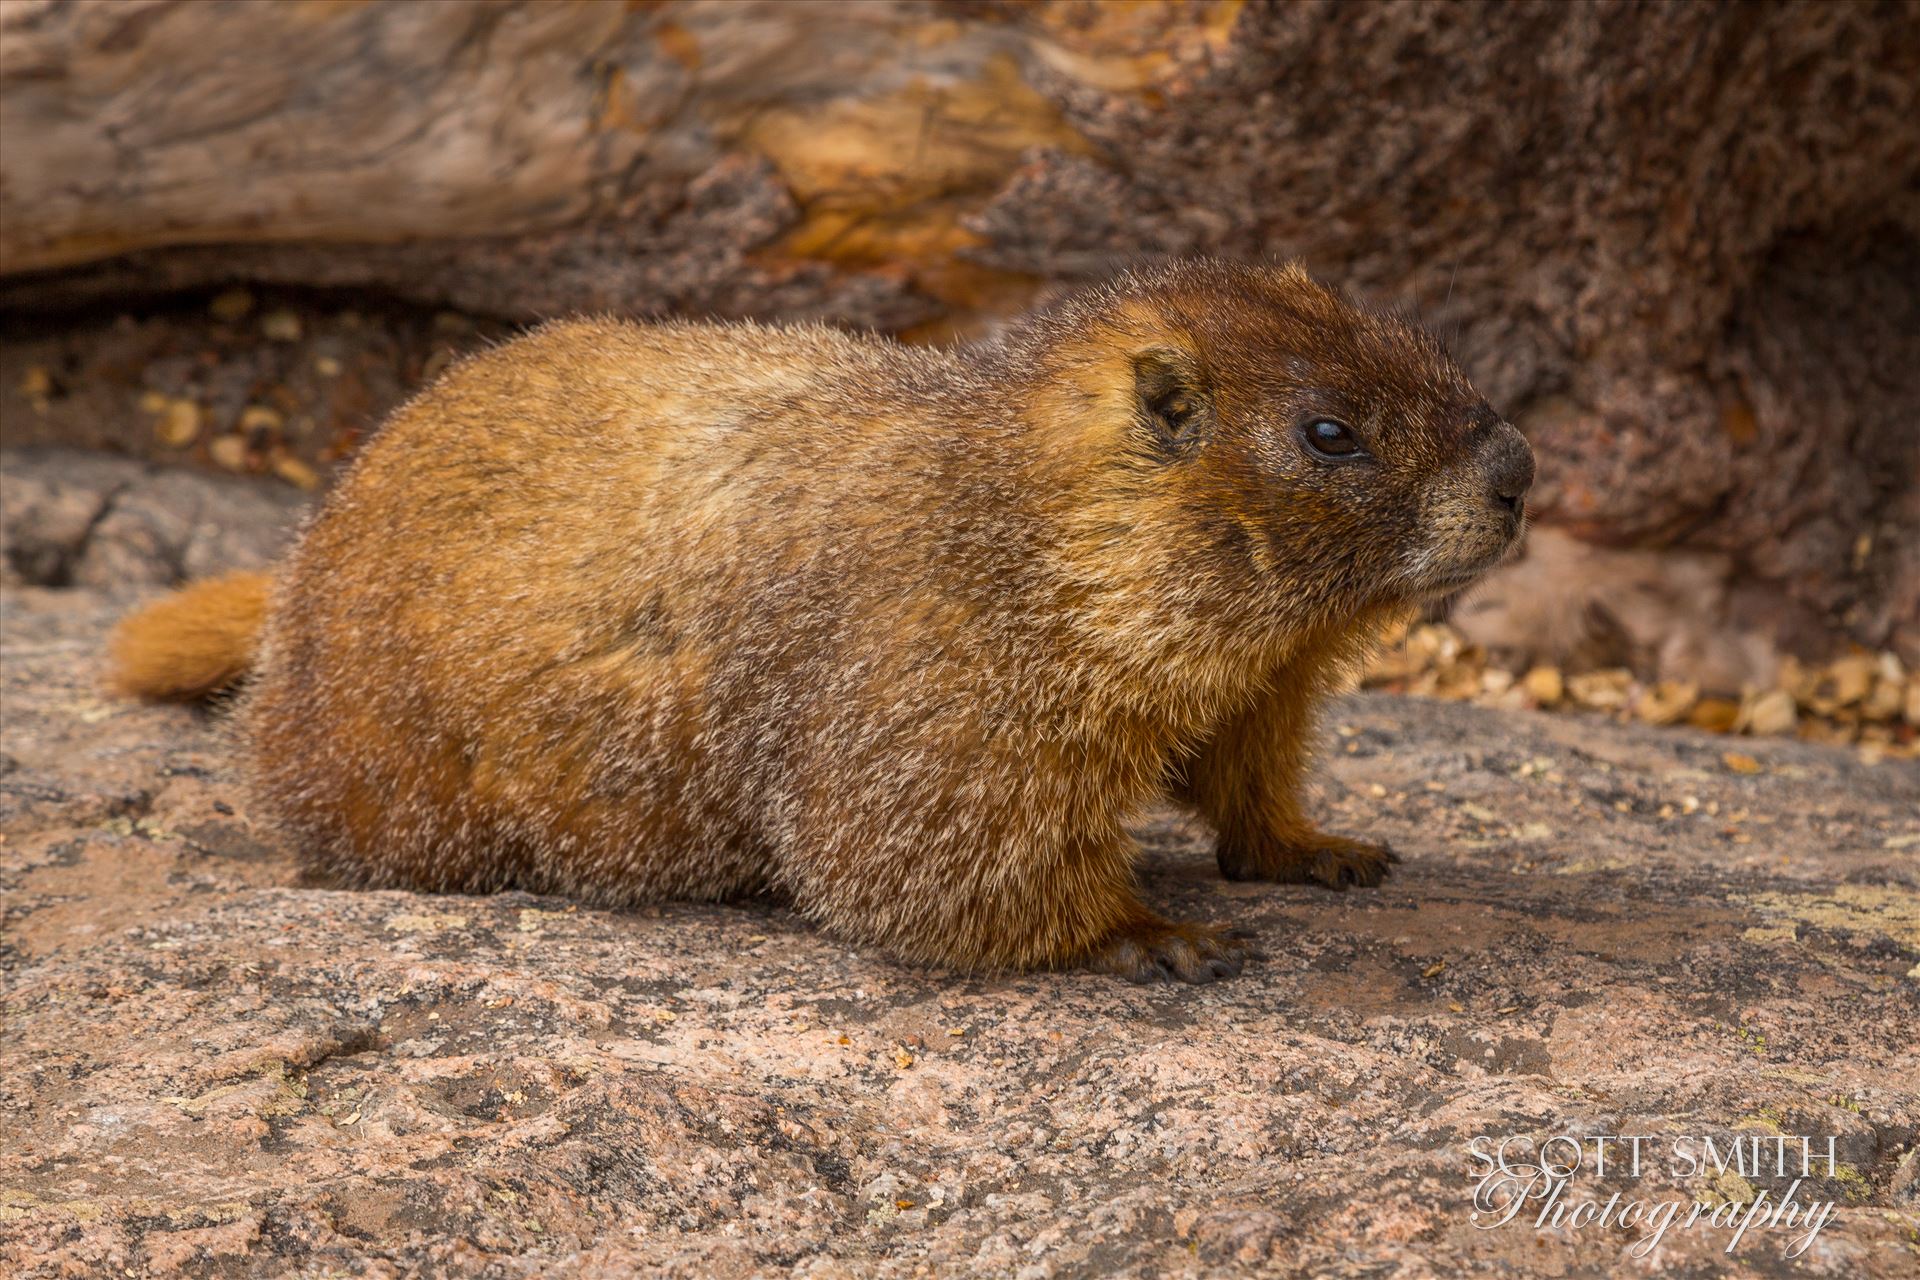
{"x": 1254, "y": 436}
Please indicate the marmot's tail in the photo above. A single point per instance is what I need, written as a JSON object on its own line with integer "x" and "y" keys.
{"x": 195, "y": 642}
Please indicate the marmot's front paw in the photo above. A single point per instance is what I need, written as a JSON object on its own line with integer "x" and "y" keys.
{"x": 1162, "y": 951}
{"x": 1333, "y": 861}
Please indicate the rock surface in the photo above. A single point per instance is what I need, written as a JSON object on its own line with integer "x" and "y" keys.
{"x": 213, "y": 1068}
{"x": 72, "y": 518}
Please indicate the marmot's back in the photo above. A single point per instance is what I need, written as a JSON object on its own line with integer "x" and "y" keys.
{"x": 586, "y": 448}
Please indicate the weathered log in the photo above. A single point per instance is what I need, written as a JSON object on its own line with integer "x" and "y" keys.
{"x": 1680, "y": 243}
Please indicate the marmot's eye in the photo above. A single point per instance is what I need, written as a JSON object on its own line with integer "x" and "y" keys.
{"x": 1332, "y": 439}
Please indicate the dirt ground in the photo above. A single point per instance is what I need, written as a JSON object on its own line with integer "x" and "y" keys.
{"x": 210, "y": 1067}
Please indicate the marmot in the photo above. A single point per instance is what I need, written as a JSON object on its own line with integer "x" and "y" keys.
{"x": 630, "y": 612}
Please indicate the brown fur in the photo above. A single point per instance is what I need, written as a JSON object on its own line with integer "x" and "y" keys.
{"x": 631, "y": 612}
{"x": 193, "y": 643}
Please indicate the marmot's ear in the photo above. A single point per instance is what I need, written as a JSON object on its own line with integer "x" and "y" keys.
{"x": 1176, "y": 403}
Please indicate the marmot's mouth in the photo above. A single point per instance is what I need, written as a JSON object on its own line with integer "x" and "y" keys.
{"x": 1460, "y": 577}
{"x": 1456, "y": 580}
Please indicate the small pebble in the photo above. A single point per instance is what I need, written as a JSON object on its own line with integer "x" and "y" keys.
{"x": 258, "y": 417}
{"x": 296, "y": 473}
{"x": 229, "y": 452}
{"x": 231, "y": 305}
{"x": 179, "y": 424}
{"x": 281, "y": 326}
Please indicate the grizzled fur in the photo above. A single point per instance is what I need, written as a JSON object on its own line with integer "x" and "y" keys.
{"x": 630, "y": 612}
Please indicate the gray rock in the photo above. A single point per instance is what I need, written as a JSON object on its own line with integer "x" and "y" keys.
{"x": 71, "y": 517}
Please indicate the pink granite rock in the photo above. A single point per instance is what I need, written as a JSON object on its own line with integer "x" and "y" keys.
{"x": 212, "y": 1068}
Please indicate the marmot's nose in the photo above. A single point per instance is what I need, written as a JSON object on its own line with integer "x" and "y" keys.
{"x": 1509, "y": 467}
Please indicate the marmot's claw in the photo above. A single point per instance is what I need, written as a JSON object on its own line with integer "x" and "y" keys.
{"x": 1342, "y": 862}
{"x": 1246, "y": 939}
{"x": 1161, "y": 951}
{"x": 1334, "y": 862}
